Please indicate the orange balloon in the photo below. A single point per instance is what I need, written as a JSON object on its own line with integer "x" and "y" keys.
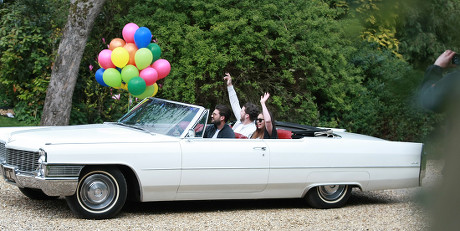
{"x": 116, "y": 42}
{"x": 131, "y": 48}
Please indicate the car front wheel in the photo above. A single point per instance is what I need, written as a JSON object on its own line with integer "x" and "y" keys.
{"x": 328, "y": 196}
{"x": 101, "y": 194}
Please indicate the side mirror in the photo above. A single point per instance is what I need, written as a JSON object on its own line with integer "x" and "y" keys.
{"x": 191, "y": 133}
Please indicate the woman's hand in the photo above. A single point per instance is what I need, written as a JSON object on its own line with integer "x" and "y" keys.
{"x": 264, "y": 98}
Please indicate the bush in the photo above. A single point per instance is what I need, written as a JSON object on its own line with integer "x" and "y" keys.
{"x": 28, "y": 36}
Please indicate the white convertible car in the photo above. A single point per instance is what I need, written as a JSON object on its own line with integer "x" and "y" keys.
{"x": 156, "y": 153}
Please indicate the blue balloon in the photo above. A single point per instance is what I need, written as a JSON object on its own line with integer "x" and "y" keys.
{"x": 99, "y": 78}
{"x": 142, "y": 37}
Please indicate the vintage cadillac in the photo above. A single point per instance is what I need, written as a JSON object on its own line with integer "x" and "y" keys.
{"x": 156, "y": 152}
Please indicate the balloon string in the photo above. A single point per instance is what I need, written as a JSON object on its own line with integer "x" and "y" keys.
{"x": 130, "y": 101}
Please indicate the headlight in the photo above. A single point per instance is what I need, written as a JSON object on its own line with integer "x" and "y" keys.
{"x": 41, "y": 162}
{"x": 42, "y": 154}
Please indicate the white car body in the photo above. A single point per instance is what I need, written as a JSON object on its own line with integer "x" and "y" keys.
{"x": 186, "y": 167}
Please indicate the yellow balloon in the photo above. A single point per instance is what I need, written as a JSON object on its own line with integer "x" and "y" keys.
{"x": 155, "y": 86}
{"x": 120, "y": 57}
{"x": 150, "y": 91}
{"x": 124, "y": 86}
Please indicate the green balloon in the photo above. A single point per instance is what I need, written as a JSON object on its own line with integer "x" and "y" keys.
{"x": 156, "y": 51}
{"x": 136, "y": 86}
{"x": 143, "y": 58}
{"x": 112, "y": 77}
{"x": 149, "y": 90}
{"x": 129, "y": 72}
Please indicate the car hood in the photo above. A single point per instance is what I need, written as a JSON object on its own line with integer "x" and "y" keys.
{"x": 5, "y": 132}
{"x": 79, "y": 134}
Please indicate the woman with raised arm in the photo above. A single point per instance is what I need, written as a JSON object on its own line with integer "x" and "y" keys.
{"x": 265, "y": 125}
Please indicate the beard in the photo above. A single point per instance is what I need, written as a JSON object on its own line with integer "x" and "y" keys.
{"x": 215, "y": 122}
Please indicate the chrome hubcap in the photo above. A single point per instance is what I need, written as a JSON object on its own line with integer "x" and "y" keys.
{"x": 332, "y": 193}
{"x": 97, "y": 192}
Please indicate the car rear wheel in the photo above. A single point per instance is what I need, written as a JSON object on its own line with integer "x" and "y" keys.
{"x": 36, "y": 194}
{"x": 328, "y": 196}
{"x": 101, "y": 193}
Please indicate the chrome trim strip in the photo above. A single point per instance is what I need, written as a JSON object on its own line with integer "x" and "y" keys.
{"x": 226, "y": 168}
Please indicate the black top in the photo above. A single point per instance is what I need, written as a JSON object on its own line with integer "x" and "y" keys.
{"x": 438, "y": 91}
{"x": 274, "y": 133}
{"x": 226, "y": 132}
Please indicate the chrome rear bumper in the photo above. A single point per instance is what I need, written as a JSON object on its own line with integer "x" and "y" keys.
{"x": 422, "y": 166}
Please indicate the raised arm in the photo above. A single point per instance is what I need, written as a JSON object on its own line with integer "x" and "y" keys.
{"x": 267, "y": 117}
{"x": 445, "y": 59}
{"x": 436, "y": 89}
{"x": 234, "y": 102}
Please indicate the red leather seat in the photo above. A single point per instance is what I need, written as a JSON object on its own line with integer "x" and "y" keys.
{"x": 284, "y": 134}
{"x": 240, "y": 136}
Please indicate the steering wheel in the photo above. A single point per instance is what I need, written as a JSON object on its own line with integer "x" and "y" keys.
{"x": 176, "y": 131}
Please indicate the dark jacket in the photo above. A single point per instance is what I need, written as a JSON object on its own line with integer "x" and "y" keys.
{"x": 226, "y": 132}
{"x": 438, "y": 91}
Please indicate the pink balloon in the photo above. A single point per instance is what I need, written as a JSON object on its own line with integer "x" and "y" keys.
{"x": 128, "y": 32}
{"x": 163, "y": 67}
{"x": 105, "y": 60}
{"x": 150, "y": 75}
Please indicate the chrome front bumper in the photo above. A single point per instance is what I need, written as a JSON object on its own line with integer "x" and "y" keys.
{"x": 51, "y": 186}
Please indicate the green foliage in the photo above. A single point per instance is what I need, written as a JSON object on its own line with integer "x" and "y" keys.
{"x": 93, "y": 103}
{"x": 27, "y": 38}
{"x": 273, "y": 46}
{"x": 11, "y": 122}
{"x": 387, "y": 108}
{"x": 308, "y": 54}
{"x": 428, "y": 29}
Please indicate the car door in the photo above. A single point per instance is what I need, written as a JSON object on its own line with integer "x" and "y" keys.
{"x": 223, "y": 166}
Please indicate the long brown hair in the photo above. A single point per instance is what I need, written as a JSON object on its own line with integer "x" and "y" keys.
{"x": 258, "y": 133}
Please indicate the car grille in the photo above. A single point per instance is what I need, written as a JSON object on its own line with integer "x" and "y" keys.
{"x": 2, "y": 152}
{"x": 24, "y": 160}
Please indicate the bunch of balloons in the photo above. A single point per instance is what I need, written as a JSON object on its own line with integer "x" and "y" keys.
{"x": 132, "y": 63}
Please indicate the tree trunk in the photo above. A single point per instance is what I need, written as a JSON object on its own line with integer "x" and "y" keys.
{"x": 58, "y": 102}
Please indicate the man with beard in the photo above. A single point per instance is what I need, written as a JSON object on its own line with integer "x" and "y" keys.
{"x": 247, "y": 114}
{"x": 219, "y": 127}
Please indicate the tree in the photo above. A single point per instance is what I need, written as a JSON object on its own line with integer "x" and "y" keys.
{"x": 275, "y": 46}
{"x": 427, "y": 30}
{"x": 29, "y": 37}
{"x": 58, "y": 101}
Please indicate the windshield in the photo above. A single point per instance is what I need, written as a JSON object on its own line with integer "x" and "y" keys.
{"x": 161, "y": 116}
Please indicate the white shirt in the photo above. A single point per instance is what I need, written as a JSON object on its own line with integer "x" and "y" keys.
{"x": 215, "y": 134}
{"x": 243, "y": 129}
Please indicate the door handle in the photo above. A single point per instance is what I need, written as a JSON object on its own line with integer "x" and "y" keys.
{"x": 260, "y": 148}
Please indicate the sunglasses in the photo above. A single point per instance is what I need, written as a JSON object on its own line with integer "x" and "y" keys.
{"x": 259, "y": 120}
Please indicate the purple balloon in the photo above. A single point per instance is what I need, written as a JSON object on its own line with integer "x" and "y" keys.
{"x": 99, "y": 79}
{"x": 142, "y": 37}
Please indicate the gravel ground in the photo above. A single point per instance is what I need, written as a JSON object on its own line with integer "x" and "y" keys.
{"x": 403, "y": 209}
